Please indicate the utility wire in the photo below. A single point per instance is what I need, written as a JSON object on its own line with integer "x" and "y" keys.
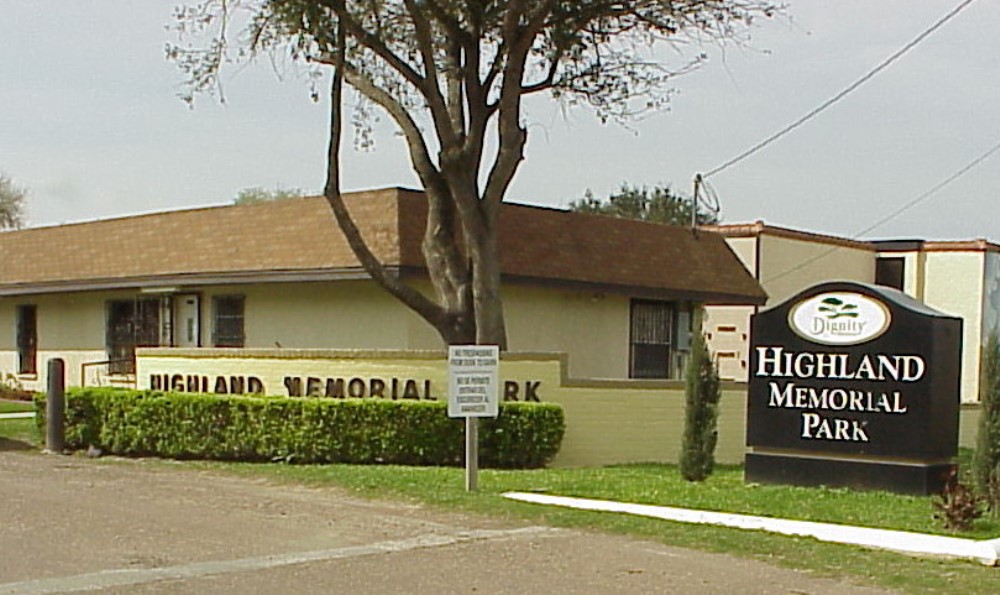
{"x": 909, "y": 205}
{"x": 885, "y": 64}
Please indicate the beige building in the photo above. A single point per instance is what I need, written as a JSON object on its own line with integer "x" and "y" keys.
{"x": 615, "y": 295}
{"x": 957, "y": 278}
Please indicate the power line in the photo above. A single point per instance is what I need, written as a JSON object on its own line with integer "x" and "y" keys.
{"x": 919, "y": 199}
{"x": 912, "y": 203}
{"x": 885, "y": 64}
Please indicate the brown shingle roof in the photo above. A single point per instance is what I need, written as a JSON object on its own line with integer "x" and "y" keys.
{"x": 299, "y": 239}
{"x": 657, "y": 259}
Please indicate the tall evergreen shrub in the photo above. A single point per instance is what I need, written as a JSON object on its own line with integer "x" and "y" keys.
{"x": 702, "y": 395}
{"x": 986, "y": 462}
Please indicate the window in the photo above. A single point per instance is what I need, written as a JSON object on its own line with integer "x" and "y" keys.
{"x": 227, "y": 314}
{"x": 890, "y": 272}
{"x": 27, "y": 339}
{"x": 652, "y": 328}
{"x": 130, "y": 324}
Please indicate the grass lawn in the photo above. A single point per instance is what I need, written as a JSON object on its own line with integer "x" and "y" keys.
{"x": 18, "y": 433}
{"x": 15, "y": 406}
{"x": 661, "y": 484}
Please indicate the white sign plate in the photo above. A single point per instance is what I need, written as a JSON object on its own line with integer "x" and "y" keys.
{"x": 473, "y": 380}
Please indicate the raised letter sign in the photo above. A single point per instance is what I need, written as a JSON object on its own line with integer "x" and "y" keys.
{"x": 853, "y": 385}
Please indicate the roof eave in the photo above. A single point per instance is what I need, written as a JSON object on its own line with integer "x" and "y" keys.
{"x": 188, "y": 281}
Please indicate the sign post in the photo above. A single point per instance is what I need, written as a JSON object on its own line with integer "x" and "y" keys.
{"x": 473, "y": 392}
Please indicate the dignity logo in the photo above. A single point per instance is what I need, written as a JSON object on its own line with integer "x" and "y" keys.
{"x": 839, "y": 318}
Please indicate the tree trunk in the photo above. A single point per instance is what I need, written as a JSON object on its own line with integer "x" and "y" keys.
{"x": 485, "y": 257}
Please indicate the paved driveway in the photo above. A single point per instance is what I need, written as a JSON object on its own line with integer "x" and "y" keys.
{"x": 76, "y": 524}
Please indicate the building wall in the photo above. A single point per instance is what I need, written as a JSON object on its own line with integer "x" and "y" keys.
{"x": 954, "y": 285}
{"x": 343, "y": 314}
{"x": 914, "y": 274}
{"x": 302, "y": 315}
{"x": 746, "y": 250}
{"x": 784, "y": 266}
{"x": 789, "y": 265}
{"x": 360, "y": 315}
{"x": 69, "y": 326}
{"x": 727, "y": 328}
{"x": 592, "y": 327}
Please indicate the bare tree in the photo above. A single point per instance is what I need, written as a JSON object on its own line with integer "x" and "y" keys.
{"x": 12, "y": 198}
{"x": 452, "y": 76}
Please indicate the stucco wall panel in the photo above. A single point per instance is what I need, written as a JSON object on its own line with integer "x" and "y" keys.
{"x": 745, "y": 249}
{"x": 789, "y": 265}
{"x": 345, "y": 315}
{"x": 593, "y": 328}
{"x": 954, "y": 285}
{"x": 727, "y": 329}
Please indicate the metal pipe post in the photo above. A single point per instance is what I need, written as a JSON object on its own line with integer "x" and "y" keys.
{"x": 471, "y": 454}
{"x": 55, "y": 407}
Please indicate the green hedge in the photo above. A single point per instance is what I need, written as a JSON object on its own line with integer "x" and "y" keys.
{"x": 302, "y": 430}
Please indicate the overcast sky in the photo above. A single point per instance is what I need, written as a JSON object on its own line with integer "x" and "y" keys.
{"x": 90, "y": 122}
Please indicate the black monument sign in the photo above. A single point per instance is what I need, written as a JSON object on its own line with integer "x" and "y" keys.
{"x": 853, "y": 385}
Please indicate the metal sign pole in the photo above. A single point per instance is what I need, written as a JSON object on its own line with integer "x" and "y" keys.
{"x": 471, "y": 454}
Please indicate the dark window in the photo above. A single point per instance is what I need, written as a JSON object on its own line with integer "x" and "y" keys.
{"x": 27, "y": 339}
{"x": 889, "y": 272}
{"x": 651, "y": 332}
{"x": 131, "y": 324}
{"x": 228, "y": 321}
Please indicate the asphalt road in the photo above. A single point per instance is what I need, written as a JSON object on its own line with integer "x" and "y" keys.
{"x": 71, "y": 524}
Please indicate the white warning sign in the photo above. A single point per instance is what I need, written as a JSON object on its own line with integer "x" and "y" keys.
{"x": 473, "y": 380}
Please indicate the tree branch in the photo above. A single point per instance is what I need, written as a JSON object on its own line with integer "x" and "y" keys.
{"x": 406, "y": 294}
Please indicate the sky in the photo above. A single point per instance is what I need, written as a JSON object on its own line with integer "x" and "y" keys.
{"x": 91, "y": 123}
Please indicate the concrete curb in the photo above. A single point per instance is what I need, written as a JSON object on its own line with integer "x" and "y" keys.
{"x": 918, "y": 544}
{"x": 18, "y": 415}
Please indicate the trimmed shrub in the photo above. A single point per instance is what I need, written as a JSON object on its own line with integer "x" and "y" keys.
{"x": 302, "y": 430}
{"x": 701, "y": 413}
{"x": 986, "y": 461}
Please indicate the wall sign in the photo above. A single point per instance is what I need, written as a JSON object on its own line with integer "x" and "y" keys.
{"x": 336, "y": 387}
{"x": 854, "y": 385}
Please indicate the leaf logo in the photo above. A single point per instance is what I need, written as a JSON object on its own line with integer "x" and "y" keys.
{"x": 839, "y": 318}
{"x": 834, "y": 308}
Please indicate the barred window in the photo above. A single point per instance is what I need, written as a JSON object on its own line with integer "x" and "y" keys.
{"x": 227, "y": 315}
{"x": 652, "y": 330}
{"x": 27, "y": 339}
{"x": 130, "y": 324}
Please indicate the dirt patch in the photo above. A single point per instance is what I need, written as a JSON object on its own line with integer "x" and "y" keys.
{"x": 72, "y": 523}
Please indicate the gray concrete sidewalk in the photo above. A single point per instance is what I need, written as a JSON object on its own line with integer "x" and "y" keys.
{"x": 75, "y": 524}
